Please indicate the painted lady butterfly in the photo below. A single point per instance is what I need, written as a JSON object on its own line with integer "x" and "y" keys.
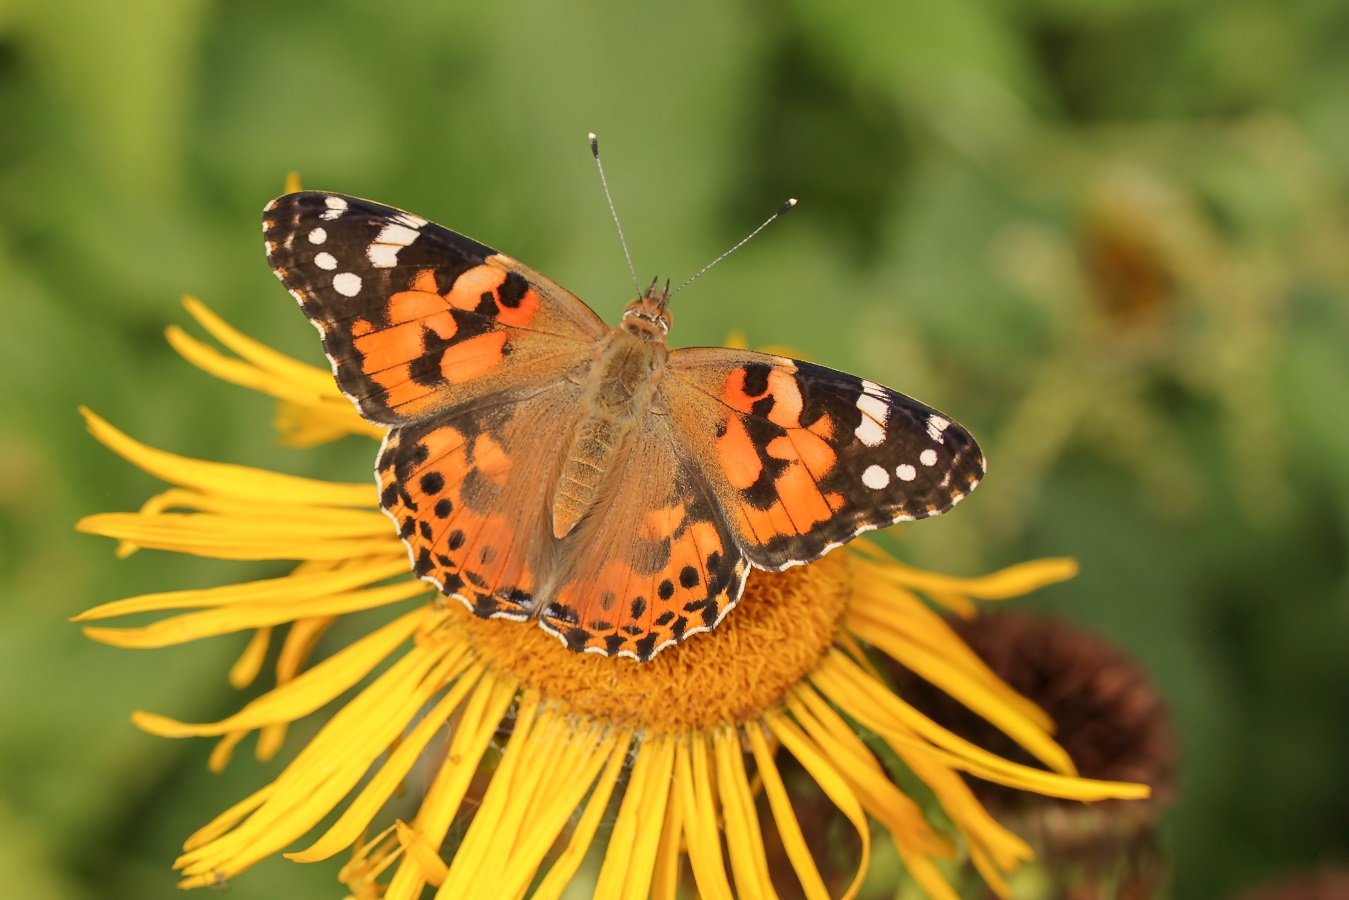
{"x": 539, "y": 463}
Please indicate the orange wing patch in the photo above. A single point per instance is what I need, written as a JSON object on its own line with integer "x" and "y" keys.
{"x": 473, "y": 358}
{"x": 769, "y": 456}
{"x": 469, "y": 510}
{"x": 430, "y": 339}
{"x": 739, "y": 457}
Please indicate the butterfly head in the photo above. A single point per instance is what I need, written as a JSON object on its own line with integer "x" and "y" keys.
{"x": 648, "y": 317}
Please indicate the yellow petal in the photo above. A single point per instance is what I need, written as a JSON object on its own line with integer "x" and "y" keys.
{"x": 982, "y": 832}
{"x": 422, "y": 854}
{"x": 928, "y": 877}
{"x": 665, "y": 876}
{"x": 644, "y": 804}
{"x": 220, "y": 538}
{"x": 224, "y": 750}
{"x": 270, "y": 739}
{"x": 284, "y": 368}
{"x": 900, "y": 611}
{"x": 875, "y": 707}
{"x": 290, "y": 588}
{"x": 192, "y": 626}
{"x": 818, "y": 766}
{"x": 301, "y": 638}
{"x": 302, "y": 425}
{"x": 243, "y": 482}
{"x": 377, "y": 791}
{"x": 229, "y": 818}
{"x": 700, "y": 821}
{"x": 246, "y": 668}
{"x": 1013, "y": 581}
{"x": 560, "y": 875}
{"x": 864, "y": 775}
{"x": 744, "y": 841}
{"x": 368, "y": 861}
{"x": 298, "y": 387}
{"x": 306, "y": 693}
{"x": 475, "y": 729}
{"x": 333, "y": 762}
{"x": 789, "y": 829}
{"x": 473, "y": 855}
{"x": 975, "y": 693}
{"x": 581, "y": 755}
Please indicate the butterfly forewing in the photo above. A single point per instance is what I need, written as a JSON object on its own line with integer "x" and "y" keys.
{"x": 415, "y": 318}
{"x": 805, "y": 458}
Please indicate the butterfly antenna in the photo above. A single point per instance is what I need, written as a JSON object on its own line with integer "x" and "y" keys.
{"x": 781, "y": 210}
{"x": 595, "y": 149}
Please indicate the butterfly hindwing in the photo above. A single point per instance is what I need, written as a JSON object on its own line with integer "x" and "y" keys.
{"x": 653, "y": 563}
{"x": 468, "y": 492}
{"x": 805, "y": 458}
{"x": 416, "y": 318}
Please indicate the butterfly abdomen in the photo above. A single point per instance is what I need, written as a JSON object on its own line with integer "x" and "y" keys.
{"x": 617, "y": 390}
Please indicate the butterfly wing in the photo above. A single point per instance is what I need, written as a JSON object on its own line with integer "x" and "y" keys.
{"x": 653, "y": 562}
{"x": 464, "y": 351}
{"x": 803, "y": 458}
{"x": 415, "y": 318}
{"x": 468, "y": 491}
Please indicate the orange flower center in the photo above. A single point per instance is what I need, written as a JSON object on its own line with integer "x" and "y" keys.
{"x": 784, "y": 623}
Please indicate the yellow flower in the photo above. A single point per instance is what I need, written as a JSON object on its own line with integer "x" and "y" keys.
{"x": 686, "y": 744}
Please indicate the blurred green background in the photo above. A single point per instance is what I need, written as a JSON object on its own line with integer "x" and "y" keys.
{"x": 1108, "y": 235}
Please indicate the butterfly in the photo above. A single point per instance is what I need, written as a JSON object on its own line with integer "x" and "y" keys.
{"x": 541, "y": 464}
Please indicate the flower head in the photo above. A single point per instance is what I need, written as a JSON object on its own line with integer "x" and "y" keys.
{"x": 1109, "y": 718}
{"x": 687, "y": 745}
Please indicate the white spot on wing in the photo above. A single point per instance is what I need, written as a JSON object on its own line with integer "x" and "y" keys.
{"x": 325, "y": 260}
{"x": 383, "y": 251}
{"x": 318, "y": 236}
{"x": 336, "y": 206}
{"x": 410, "y": 220}
{"x": 935, "y": 426}
{"x": 875, "y": 477}
{"x": 870, "y": 433}
{"x": 348, "y": 284}
{"x": 928, "y": 457}
{"x": 871, "y": 430}
{"x": 906, "y": 472}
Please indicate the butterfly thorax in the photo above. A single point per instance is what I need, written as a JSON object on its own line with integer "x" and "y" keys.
{"x": 618, "y": 389}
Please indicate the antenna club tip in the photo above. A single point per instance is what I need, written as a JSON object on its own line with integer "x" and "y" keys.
{"x": 791, "y": 201}
{"x": 594, "y": 143}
